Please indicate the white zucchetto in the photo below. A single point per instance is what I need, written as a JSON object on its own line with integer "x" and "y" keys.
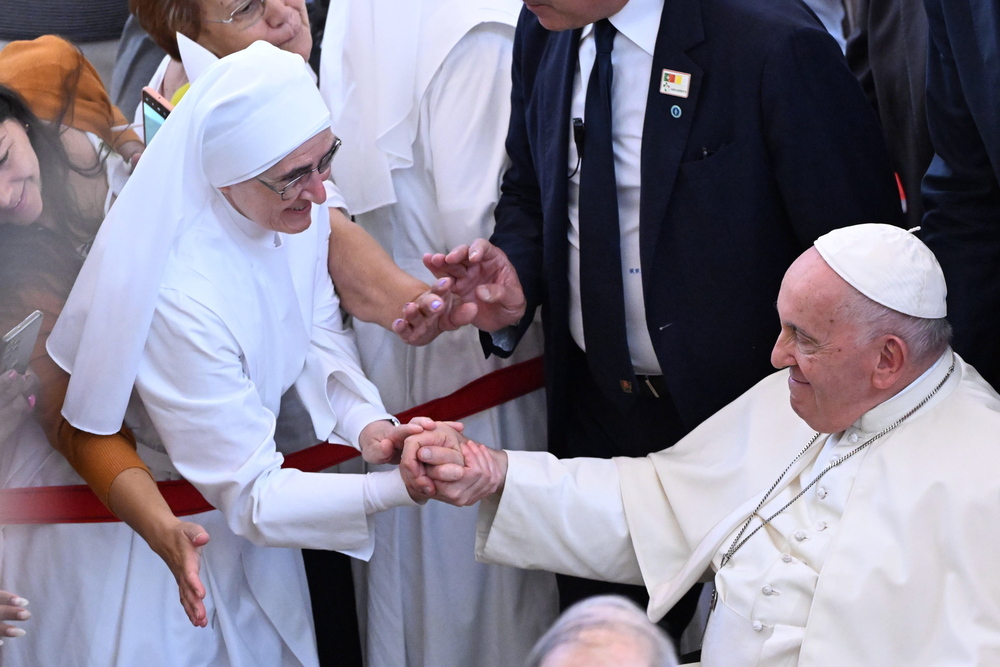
{"x": 889, "y": 265}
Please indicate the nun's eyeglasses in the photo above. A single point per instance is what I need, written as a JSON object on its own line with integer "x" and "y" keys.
{"x": 245, "y": 16}
{"x": 293, "y": 187}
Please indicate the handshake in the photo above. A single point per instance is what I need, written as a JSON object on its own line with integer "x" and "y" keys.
{"x": 440, "y": 462}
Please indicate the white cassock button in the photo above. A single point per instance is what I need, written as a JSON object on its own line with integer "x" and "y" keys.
{"x": 757, "y": 626}
{"x": 800, "y": 535}
{"x": 787, "y": 558}
{"x": 767, "y": 590}
{"x": 821, "y": 525}
{"x": 821, "y": 492}
{"x": 853, "y": 437}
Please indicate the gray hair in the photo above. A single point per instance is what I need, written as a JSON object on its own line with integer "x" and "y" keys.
{"x": 925, "y": 338}
{"x": 612, "y": 613}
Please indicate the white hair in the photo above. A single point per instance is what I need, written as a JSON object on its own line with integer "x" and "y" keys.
{"x": 925, "y": 338}
{"x": 612, "y": 613}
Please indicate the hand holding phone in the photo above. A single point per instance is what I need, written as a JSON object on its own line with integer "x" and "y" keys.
{"x": 16, "y": 346}
{"x": 155, "y": 109}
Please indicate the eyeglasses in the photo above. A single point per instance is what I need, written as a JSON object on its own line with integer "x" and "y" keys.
{"x": 293, "y": 187}
{"x": 244, "y": 16}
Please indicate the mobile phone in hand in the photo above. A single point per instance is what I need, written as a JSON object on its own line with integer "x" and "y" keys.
{"x": 155, "y": 109}
{"x": 17, "y": 344}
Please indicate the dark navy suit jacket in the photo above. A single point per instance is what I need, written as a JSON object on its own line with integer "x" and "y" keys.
{"x": 794, "y": 150}
{"x": 962, "y": 190}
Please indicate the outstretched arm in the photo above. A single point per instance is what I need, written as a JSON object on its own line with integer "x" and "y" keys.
{"x": 373, "y": 289}
{"x": 483, "y": 276}
{"x": 136, "y": 500}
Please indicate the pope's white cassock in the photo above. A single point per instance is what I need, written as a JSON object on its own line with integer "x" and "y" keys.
{"x": 888, "y": 560}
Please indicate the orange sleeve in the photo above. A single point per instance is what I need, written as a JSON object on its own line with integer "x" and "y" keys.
{"x": 45, "y": 70}
{"x": 99, "y": 459}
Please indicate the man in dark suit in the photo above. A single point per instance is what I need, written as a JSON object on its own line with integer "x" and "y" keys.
{"x": 962, "y": 186}
{"x": 738, "y": 136}
{"x": 888, "y": 54}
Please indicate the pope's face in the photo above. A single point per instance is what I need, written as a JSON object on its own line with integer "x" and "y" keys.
{"x": 264, "y": 206}
{"x": 283, "y": 23}
{"x": 20, "y": 177}
{"x": 571, "y": 14}
{"x": 830, "y": 362}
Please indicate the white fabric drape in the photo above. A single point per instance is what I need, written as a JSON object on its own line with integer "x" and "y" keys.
{"x": 378, "y": 59}
{"x": 224, "y": 133}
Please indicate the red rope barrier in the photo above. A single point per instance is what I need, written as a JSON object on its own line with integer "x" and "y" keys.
{"x": 78, "y": 504}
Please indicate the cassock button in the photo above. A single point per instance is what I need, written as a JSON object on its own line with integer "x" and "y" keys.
{"x": 757, "y": 626}
{"x": 800, "y": 535}
{"x": 767, "y": 590}
{"x": 821, "y": 492}
{"x": 821, "y": 525}
{"x": 786, "y": 558}
{"x": 853, "y": 437}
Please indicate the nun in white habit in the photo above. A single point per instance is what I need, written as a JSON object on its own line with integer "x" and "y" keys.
{"x": 420, "y": 91}
{"x": 207, "y": 290}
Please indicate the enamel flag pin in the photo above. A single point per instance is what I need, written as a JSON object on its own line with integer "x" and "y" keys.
{"x": 675, "y": 83}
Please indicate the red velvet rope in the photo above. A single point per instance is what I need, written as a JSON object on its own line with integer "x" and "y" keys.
{"x": 78, "y": 504}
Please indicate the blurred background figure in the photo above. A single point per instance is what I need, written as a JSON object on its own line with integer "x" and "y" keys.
{"x": 420, "y": 92}
{"x": 94, "y": 25}
{"x": 888, "y": 53}
{"x": 603, "y": 631}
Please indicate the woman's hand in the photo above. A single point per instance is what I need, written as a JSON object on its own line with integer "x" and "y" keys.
{"x": 12, "y": 608}
{"x": 180, "y": 548}
{"x": 382, "y": 441}
{"x": 17, "y": 400}
{"x": 136, "y": 500}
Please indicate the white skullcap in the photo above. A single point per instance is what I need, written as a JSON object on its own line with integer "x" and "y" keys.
{"x": 888, "y": 265}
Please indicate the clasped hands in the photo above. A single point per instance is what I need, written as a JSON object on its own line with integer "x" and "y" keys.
{"x": 440, "y": 462}
{"x": 477, "y": 284}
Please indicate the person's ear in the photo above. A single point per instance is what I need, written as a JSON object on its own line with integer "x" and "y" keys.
{"x": 893, "y": 356}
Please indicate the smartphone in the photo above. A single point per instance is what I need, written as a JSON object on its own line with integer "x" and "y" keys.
{"x": 17, "y": 345}
{"x": 155, "y": 109}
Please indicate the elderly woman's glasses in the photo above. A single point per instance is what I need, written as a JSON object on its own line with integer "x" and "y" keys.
{"x": 293, "y": 187}
{"x": 244, "y": 16}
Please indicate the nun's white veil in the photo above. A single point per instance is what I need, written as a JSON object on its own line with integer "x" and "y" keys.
{"x": 378, "y": 58}
{"x": 244, "y": 113}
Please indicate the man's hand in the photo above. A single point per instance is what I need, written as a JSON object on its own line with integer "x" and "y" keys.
{"x": 12, "y": 608}
{"x": 482, "y": 275}
{"x": 433, "y": 312}
{"x": 382, "y": 441}
{"x": 180, "y": 548}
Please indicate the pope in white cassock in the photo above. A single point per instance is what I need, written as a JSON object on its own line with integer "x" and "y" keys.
{"x": 854, "y": 524}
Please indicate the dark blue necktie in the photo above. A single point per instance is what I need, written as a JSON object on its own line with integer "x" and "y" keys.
{"x": 601, "y": 284}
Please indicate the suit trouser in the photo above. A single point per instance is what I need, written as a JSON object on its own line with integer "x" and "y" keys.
{"x": 601, "y": 427}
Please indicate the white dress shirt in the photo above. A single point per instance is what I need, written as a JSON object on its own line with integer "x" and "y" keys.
{"x": 632, "y": 59}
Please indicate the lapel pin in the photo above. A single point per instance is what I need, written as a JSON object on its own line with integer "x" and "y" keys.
{"x": 674, "y": 83}
{"x": 675, "y": 111}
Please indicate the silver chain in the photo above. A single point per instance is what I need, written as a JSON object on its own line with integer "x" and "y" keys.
{"x": 739, "y": 540}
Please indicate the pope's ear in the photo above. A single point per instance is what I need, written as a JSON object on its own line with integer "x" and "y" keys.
{"x": 892, "y": 359}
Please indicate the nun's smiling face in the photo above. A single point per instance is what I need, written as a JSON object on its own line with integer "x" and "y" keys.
{"x": 300, "y": 174}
